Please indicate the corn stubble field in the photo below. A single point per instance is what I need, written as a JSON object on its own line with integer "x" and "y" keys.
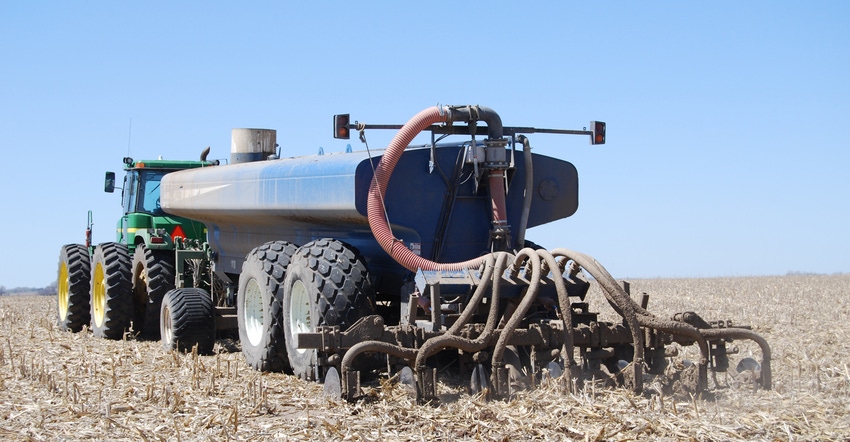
{"x": 63, "y": 386}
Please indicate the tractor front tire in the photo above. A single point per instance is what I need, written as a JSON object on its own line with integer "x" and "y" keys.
{"x": 111, "y": 291}
{"x": 258, "y": 306}
{"x": 73, "y": 286}
{"x": 187, "y": 320}
{"x": 153, "y": 277}
{"x": 327, "y": 283}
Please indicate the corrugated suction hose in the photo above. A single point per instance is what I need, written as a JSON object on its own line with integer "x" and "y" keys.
{"x": 375, "y": 204}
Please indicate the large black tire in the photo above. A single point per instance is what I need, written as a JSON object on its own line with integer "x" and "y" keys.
{"x": 187, "y": 319}
{"x": 153, "y": 277}
{"x": 258, "y": 306}
{"x": 111, "y": 291}
{"x": 73, "y": 286}
{"x": 327, "y": 283}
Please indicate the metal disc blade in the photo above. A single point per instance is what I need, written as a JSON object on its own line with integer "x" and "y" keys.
{"x": 333, "y": 387}
{"x": 480, "y": 381}
{"x": 514, "y": 363}
{"x": 554, "y": 370}
{"x": 748, "y": 364}
{"x": 407, "y": 381}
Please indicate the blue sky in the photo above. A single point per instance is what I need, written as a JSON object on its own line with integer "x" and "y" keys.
{"x": 728, "y": 141}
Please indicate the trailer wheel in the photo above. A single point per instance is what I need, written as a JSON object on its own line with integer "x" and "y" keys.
{"x": 258, "y": 306}
{"x": 73, "y": 286}
{"x": 186, "y": 320}
{"x": 111, "y": 291}
{"x": 327, "y": 283}
{"x": 153, "y": 277}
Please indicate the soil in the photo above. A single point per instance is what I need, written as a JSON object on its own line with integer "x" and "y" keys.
{"x": 57, "y": 385}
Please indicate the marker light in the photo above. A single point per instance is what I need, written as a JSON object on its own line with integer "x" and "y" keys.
{"x": 598, "y": 128}
{"x": 341, "y": 129}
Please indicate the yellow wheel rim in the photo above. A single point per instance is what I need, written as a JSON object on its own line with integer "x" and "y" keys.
{"x": 63, "y": 295}
{"x": 98, "y": 301}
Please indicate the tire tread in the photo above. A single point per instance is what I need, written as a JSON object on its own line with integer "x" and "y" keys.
{"x": 118, "y": 314}
{"x": 78, "y": 262}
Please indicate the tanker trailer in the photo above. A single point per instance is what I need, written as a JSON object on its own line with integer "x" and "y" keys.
{"x": 419, "y": 252}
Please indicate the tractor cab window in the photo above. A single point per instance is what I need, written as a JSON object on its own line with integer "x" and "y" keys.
{"x": 128, "y": 192}
{"x": 141, "y": 192}
{"x": 149, "y": 192}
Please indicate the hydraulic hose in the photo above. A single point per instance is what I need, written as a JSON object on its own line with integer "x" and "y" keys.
{"x": 383, "y": 171}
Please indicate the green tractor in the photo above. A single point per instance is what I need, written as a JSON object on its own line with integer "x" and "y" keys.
{"x": 116, "y": 287}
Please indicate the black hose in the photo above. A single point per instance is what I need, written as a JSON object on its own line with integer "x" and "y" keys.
{"x": 478, "y": 113}
{"x": 527, "y": 192}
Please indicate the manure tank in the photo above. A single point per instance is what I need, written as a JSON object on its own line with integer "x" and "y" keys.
{"x": 436, "y": 211}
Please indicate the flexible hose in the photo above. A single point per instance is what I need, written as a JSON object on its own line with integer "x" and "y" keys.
{"x": 497, "y": 195}
{"x": 450, "y": 338}
{"x": 518, "y": 315}
{"x": 492, "y": 272}
{"x": 375, "y": 205}
{"x": 742, "y": 333}
{"x": 620, "y": 301}
{"x": 564, "y": 305}
{"x": 375, "y": 347}
{"x": 637, "y": 316}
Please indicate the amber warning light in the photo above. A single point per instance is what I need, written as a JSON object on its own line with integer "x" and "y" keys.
{"x": 598, "y": 129}
{"x": 341, "y": 126}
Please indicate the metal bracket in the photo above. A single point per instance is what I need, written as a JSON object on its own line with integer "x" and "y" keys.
{"x": 427, "y": 383}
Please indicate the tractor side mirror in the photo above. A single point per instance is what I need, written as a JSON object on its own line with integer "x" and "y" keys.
{"x": 109, "y": 182}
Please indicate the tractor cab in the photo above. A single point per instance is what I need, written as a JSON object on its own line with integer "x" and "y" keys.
{"x": 143, "y": 220}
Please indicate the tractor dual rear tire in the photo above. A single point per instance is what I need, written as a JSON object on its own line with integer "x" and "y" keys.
{"x": 327, "y": 283}
{"x": 153, "y": 277}
{"x": 187, "y": 320}
{"x": 111, "y": 291}
{"x": 73, "y": 287}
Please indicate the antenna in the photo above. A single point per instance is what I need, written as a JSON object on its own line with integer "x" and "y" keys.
{"x": 129, "y": 136}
